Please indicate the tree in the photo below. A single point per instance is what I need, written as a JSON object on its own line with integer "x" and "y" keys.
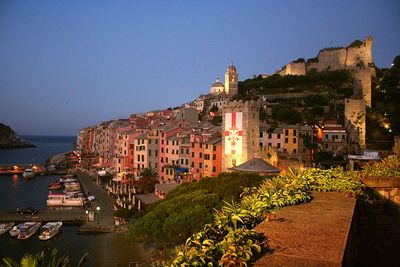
{"x": 148, "y": 180}
{"x": 214, "y": 109}
{"x": 123, "y": 213}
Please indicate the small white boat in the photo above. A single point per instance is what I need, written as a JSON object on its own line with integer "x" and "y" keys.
{"x": 5, "y": 227}
{"x": 16, "y": 229}
{"x": 49, "y": 230}
{"x": 29, "y": 173}
{"x": 28, "y": 229}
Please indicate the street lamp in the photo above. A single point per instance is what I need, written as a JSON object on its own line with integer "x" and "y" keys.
{"x": 98, "y": 214}
{"x": 87, "y": 215}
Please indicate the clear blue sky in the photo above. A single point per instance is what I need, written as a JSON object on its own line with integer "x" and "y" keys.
{"x": 65, "y": 65}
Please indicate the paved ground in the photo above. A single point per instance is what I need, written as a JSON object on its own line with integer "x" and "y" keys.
{"x": 312, "y": 234}
{"x": 103, "y": 200}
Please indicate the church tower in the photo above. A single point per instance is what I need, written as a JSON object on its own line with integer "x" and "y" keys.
{"x": 231, "y": 80}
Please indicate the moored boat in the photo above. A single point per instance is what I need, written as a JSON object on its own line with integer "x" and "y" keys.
{"x": 54, "y": 186}
{"x": 5, "y": 227}
{"x": 29, "y": 173}
{"x": 16, "y": 230}
{"x": 49, "y": 230}
{"x": 28, "y": 229}
{"x": 65, "y": 200}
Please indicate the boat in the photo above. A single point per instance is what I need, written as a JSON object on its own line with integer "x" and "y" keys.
{"x": 65, "y": 200}
{"x": 68, "y": 178}
{"x": 16, "y": 229}
{"x": 5, "y": 227}
{"x": 49, "y": 230}
{"x": 28, "y": 229}
{"x": 55, "y": 186}
{"x": 72, "y": 186}
{"x": 29, "y": 173}
{"x": 366, "y": 155}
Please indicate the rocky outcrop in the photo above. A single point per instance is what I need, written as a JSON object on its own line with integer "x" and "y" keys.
{"x": 9, "y": 139}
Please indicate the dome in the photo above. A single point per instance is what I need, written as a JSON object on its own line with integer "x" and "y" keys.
{"x": 217, "y": 87}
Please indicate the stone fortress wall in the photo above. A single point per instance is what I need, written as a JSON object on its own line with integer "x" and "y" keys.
{"x": 355, "y": 122}
{"x": 356, "y": 58}
{"x": 250, "y": 129}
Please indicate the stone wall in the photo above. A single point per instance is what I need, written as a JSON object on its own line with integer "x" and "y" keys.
{"x": 298, "y": 68}
{"x": 355, "y": 122}
{"x": 362, "y": 84}
{"x": 250, "y": 132}
{"x": 333, "y": 59}
{"x": 386, "y": 187}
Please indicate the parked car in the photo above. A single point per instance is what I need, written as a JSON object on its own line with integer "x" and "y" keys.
{"x": 28, "y": 210}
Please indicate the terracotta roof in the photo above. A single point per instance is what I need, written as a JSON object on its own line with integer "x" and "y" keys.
{"x": 147, "y": 199}
{"x": 165, "y": 187}
{"x": 256, "y": 165}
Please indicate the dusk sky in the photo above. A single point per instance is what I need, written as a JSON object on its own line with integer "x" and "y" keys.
{"x": 65, "y": 65}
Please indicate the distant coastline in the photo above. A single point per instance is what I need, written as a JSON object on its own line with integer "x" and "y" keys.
{"x": 10, "y": 139}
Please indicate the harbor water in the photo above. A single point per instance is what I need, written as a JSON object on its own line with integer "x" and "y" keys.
{"x": 103, "y": 249}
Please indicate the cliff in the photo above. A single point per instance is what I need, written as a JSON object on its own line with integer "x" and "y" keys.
{"x": 9, "y": 139}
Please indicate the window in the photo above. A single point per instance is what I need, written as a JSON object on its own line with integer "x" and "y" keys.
{"x": 166, "y": 150}
{"x": 162, "y": 141}
{"x": 200, "y": 155}
{"x": 206, "y": 156}
{"x": 119, "y": 160}
{"x": 166, "y": 160}
{"x": 294, "y": 132}
{"x": 156, "y": 153}
{"x": 138, "y": 157}
{"x": 167, "y": 142}
{"x": 286, "y": 132}
{"x": 192, "y": 154}
{"x": 206, "y": 146}
{"x": 192, "y": 145}
{"x": 278, "y": 145}
{"x": 181, "y": 161}
{"x": 162, "y": 160}
{"x": 214, "y": 169}
{"x": 294, "y": 140}
{"x": 201, "y": 145}
{"x": 173, "y": 151}
{"x": 214, "y": 157}
{"x": 142, "y": 157}
{"x": 269, "y": 135}
{"x": 261, "y": 134}
{"x": 149, "y": 152}
{"x": 187, "y": 151}
{"x": 279, "y": 136}
{"x": 173, "y": 162}
{"x": 214, "y": 148}
{"x": 131, "y": 161}
{"x": 181, "y": 150}
{"x": 192, "y": 164}
{"x": 295, "y": 151}
{"x": 200, "y": 165}
{"x": 286, "y": 140}
{"x": 177, "y": 151}
{"x": 186, "y": 162}
{"x": 162, "y": 150}
{"x": 269, "y": 144}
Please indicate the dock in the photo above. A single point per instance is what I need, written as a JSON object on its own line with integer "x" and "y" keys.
{"x": 67, "y": 216}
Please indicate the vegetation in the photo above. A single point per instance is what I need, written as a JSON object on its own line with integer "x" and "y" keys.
{"x": 356, "y": 43}
{"x": 147, "y": 181}
{"x": 42, "y": 259}
{"x": 389, "y": 167}
{"x": 188, "y": 208}
{"x": 229, "y": 239}
{"x": 286, "y": 113}
{"x": 123, "y": 213}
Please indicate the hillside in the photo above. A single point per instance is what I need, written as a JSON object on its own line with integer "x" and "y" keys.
{"x": 298, "y": 98}
{"x": 9, "y": 139}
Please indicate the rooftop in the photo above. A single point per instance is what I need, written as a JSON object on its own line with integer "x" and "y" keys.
{"x": 256, "y": 165}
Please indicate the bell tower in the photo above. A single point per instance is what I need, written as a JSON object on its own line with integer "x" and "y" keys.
{"x": 231, "y": 80}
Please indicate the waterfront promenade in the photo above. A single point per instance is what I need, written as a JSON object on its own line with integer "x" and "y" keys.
{"x": 104, "y": 218}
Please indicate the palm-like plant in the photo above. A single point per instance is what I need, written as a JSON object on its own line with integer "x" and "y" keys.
{"x": 39, "y": 260}
{"x": 148, "y": 180}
